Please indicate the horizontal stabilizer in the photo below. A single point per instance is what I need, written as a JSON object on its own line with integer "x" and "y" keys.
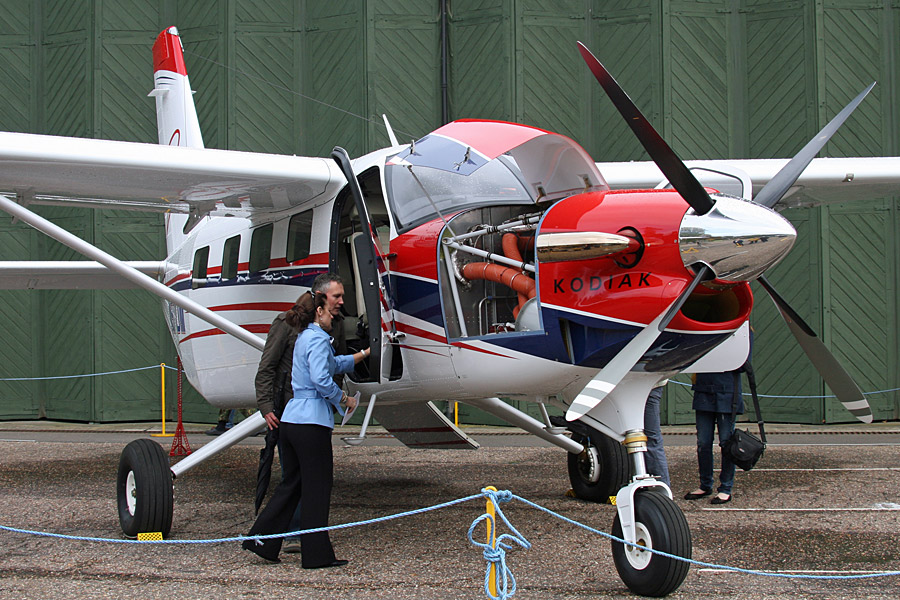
{"x": 71, "y": 275}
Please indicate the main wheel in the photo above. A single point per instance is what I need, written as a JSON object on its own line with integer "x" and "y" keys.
{"x": 144, "y": 489}
{"x": 600, "y": 470}
{"x": 659, "y": 525}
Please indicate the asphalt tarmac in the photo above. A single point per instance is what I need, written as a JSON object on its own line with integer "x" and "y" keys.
{"x": 822, "y": 501}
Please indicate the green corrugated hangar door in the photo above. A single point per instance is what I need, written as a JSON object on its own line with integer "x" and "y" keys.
{"x": 728, "y": 78}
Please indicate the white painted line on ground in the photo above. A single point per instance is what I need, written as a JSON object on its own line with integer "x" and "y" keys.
{"x": 888, "y": 507}
{"x": 835, "y": 469}
{"x": 32, "y": 441}
{"x": 813, "y": 445}
{"x": 794, "y": 571}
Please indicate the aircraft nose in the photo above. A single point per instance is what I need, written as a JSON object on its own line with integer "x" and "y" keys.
{"x": 738, "y": 239}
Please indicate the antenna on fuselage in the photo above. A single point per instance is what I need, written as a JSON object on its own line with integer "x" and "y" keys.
{"x": 390, "y": 132}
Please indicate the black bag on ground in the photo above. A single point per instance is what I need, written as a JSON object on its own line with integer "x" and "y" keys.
{"x": 743, "y": 448}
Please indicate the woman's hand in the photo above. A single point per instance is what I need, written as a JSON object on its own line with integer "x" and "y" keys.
{"x": 271, "y": 420}
{"x": 351, "y": 402}
{"x": 361, "y": 355}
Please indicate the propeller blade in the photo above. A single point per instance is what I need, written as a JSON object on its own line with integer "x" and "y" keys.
{"x": 665, "y": 158}
{"x": 615, "y": 370}
{"x": 785, "y": 178}
{"x": 822, "y": 359}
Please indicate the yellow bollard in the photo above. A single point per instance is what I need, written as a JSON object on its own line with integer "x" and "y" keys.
{"x": 492, "y": 540}
{"x": 162, "y": 379}
{"x": 456, "y": 413}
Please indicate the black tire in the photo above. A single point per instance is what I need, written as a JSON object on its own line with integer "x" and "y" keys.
{"x": 660, "y": 525}
{"x": 600, "y": 470}
{"x": 144, "y": 489}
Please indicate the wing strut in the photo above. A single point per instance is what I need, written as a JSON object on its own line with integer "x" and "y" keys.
{"x": 130, "y": 273}
{"x": 615, "y": 370}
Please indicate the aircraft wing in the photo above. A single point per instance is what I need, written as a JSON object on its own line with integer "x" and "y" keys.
{"x": 52, "y": 170}
{"x": 825, "y": 180}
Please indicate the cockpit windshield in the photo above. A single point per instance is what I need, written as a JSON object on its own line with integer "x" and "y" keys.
{"x": 417, "y": 194}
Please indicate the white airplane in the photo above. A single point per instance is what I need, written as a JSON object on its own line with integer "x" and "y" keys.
{"x": 485, "y": 260}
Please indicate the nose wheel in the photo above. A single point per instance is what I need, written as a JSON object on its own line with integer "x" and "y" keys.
{"x": 660, "y": 525}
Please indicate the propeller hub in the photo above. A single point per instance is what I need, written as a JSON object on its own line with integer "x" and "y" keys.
{"x": 737, "y": 239}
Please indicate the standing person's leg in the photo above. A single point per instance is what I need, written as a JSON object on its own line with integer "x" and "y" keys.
{"x": 291, "y": 544}
{"x": 705, "y": 428}
{"x": 655, "y": 457}
{"x": 725, "y": 425}
{"x": 317, "y": 469}
{"x": 275, "y": 517}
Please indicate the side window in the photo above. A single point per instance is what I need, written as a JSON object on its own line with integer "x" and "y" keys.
{"x": 299, "y": 235}
{"x": 230, "y": 257}
{"x": 261, "y": 248}
{"x": 198, "y": 274}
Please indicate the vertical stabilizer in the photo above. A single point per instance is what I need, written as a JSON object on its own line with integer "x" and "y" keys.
{"x": 176, "y": 115}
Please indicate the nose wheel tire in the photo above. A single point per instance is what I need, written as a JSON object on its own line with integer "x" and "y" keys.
{"x": 660, "y": 525}
{"x": 600, "y": 470}
{"x": 144, "y": 489}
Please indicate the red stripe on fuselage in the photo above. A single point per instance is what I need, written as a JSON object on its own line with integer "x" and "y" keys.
{"x": 442, "y": 340}
{"x": 253, "y": 328}
{"x": 271, "y": 306}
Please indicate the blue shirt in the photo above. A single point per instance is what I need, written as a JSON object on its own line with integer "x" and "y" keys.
{"x": 315, "y": 392}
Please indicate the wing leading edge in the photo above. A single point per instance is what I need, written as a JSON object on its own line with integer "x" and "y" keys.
{"x": 825, "y": 180}
{"x": 51, "y": 170}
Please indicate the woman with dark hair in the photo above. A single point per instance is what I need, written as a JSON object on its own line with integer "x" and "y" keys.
{"x": 306, "y": 456}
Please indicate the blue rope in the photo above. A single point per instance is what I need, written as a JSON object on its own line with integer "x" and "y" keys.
{"x": 496, "y": 555}
{"x": 700, "y": 563}
{"x": 241, "y": 538}
{"x": 85, "y": 375}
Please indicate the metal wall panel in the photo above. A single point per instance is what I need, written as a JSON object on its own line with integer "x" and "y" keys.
{"x": 336, "y": 77}
{"x": 19, "y": 350}
{"x": 861, "y": 302}
{"x": 627, "y": 41}
{"x": 742, "y": 78}
{"x": 697, "y": 62}
{"x": 67, "y": 328}
{"x": 481, "y": 80}
{"x": 551, "y": 87}
{"x": 263, "y": 95}
{"x": 404, "y": 78}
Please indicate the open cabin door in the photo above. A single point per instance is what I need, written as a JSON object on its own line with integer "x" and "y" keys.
{"x": 363, "y": 261}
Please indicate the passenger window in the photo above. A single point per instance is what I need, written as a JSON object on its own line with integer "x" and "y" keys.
{"x": 230, "y": 257}
{"x": 261, "y": 248}
{"x": 198, "y": 274}
{"x": 299, "y": 235}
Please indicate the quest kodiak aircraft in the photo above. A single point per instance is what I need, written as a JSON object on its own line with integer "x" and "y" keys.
{"x": 484, "y": 260}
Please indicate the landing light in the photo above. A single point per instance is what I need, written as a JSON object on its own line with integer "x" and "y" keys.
{"x": 579, "y": 245}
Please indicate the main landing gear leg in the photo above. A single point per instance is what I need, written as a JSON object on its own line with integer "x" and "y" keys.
{"x": 647, "y": 516}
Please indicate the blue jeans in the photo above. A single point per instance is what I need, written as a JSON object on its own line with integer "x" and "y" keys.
{"x": 655, "y": 457}
{"x": 706, "y": 423}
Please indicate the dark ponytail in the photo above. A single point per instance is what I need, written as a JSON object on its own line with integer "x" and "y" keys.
{"x": 303, "y": 311}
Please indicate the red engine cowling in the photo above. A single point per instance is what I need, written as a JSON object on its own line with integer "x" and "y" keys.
{"x": 635, "y": 285}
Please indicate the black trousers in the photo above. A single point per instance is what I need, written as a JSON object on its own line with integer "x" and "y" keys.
{"x": 308, "y": 465}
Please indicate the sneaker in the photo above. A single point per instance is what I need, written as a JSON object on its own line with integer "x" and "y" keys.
{"x": 217, "y": 430}
{"x": 291, "y": 546}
